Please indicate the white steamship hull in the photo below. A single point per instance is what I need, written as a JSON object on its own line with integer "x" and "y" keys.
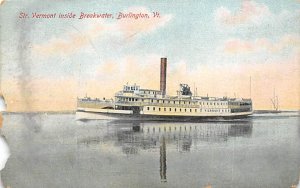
{"x": 111, "y": 114}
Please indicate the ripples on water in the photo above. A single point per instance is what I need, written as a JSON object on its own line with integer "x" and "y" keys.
{"x": 57, "y": 151}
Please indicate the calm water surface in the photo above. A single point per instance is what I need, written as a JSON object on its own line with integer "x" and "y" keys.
{"x": 57, "y": 151}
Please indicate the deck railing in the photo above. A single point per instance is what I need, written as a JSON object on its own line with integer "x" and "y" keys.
{"x": 124, "y": 103}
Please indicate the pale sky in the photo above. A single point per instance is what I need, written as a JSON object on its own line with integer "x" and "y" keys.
{"x": 215, "y": 45}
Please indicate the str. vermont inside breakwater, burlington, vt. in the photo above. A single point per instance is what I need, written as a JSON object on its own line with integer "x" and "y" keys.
{"x": 94, "y": 15}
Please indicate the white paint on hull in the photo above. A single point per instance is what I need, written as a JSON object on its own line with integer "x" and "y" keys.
{"x": 111, "y": 114}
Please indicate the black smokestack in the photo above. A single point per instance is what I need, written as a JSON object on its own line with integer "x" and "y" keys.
{"x": 163, "y": 75}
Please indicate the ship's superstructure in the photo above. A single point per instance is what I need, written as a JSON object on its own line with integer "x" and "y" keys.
{"x": 133, "y": 102}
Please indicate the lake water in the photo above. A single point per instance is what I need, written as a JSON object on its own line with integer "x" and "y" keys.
{"x": 54, "y": 150}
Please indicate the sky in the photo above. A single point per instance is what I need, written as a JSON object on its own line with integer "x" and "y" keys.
{"x": 215, "y": 46}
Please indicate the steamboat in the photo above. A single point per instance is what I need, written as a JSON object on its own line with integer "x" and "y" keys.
{"x": 136, "y": 103}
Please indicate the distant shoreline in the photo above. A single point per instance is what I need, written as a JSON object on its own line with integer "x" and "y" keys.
{"x": 274, "y": 111}
{"x": 43, "y": 112}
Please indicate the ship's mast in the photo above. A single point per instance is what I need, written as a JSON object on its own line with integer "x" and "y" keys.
{"x": 274, "y": 101}
{"x": 274, "y": 98}
{"x": 194, "y": 89}
{"x": 277, "y": 107}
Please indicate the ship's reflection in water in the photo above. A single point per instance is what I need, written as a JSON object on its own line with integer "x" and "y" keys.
{"x": 163, "y": 160}
{"x": 135, "y": 137}
{"x": 142, "y": 136}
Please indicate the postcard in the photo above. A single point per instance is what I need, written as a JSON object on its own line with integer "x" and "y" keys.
{"x": 149, "y": 93}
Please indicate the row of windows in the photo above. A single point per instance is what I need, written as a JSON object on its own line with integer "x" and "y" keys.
{"x": 151, "y": 92}
{"x": 187, "y": 110}
{"x": 131, "y": 88}
{"x": 170, "y": 109}
{"x": 240, "y": 103}
{"x": 132, "y": 99}
{"x": 174, "y": 102}
{"x": 213, "y": 103}
{"x": 240, "y": 110}
{"x": 217, "y": 110}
